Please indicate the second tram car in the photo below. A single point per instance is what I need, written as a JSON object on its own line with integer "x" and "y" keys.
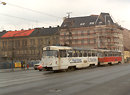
{"x": 109, "y": 57}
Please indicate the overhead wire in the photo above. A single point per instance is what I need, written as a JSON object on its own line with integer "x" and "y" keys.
{"x": 43, "y": 13}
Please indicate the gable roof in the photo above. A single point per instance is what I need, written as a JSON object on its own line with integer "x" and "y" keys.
{"x": 17, "y": 33}
{"x": 44, "y": 31}
{"x": 87, "y": 21}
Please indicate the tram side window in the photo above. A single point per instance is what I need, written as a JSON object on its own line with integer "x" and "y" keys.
{"x": 93, "y": 54}
{"x": 85, "y": 54}
{"x": 106, "y": 54}
{"x": 69, "y": 54}
{"x": 75, "y": 54}
{"x": 80, "y": 54}
{"x": 89, "y": 54}
{"x": 63, "y": 53}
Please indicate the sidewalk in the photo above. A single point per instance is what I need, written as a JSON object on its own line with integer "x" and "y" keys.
{"x": 15, "y": 70}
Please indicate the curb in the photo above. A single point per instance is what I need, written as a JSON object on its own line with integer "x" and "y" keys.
{"x": 15, "y": 70}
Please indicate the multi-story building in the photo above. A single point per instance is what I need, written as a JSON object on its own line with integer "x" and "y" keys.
{"x": 27, "y": 44}
{"x": 94, "y": 31}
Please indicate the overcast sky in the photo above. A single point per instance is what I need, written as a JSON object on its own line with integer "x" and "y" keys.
{"x": 24, "y": 14}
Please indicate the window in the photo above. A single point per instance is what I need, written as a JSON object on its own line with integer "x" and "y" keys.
{"x": 69, "y": 53}
{"x": 91, "y": 23}
{"x": 85, "y": 54}
{"x": 88, "y": 41}
{"x": 17, "y": 43}
{"x": 63, "y": 53}
{"x": 82, "y": 41}
{"x": 100, "y": 22}
{"x": 82, "y": 34}
{"x": 89, "y": 54}
{"x": 52, "y": 53}
{"x": 32, "y": 41}
{"x": 40, "y": 41}
{"x": 65, "y": 25}
{"x": 24, "y": 42}
{"x": 94, "y": 41}
{"x": 88, "y": 32}
{"x": 4, "y": 44}
{"x": 81, "y": 24}
{"x": 80, "y": 54}
{"x": 75, "y": 54}
{"x": 93, "y": 54}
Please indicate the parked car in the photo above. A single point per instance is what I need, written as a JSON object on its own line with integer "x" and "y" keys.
{"x": 40, "y": 68}
{"x": 36, "y": 65}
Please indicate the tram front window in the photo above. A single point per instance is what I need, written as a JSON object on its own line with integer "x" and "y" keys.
{"x": 50, "y": 53}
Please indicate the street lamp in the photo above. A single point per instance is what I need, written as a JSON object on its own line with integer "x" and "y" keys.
{"x": 2, "y": 3}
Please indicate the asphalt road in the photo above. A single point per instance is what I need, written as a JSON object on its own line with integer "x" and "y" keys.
{"x": 108, "y": 80}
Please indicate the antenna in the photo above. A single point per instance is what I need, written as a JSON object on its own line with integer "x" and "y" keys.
{"x": 68, "y": 13}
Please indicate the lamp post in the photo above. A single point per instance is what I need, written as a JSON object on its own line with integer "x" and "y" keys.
{"x": 3, "y": 3}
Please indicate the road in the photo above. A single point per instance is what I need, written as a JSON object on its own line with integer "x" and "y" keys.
{"x": 108, "y": 80}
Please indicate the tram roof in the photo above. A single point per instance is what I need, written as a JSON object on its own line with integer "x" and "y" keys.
{"x": 75, "y": 48}
{"x": 64, "y": 48}
{"x": 56, "y": 47}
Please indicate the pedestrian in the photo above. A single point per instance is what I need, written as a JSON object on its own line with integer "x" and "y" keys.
{"x": 21, "y": 64}
{"x": 27, "y": 66}
{"x": 24, "y": 65}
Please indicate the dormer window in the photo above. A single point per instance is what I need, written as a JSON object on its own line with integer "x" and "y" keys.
{"x": 91, "y": 23}
{"x": 100, "y": 22}
{"x": 65, "y": 25}
{"x": 81, "y": 24}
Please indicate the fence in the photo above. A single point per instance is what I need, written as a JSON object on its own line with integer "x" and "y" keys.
{"x": 9, "y": 65}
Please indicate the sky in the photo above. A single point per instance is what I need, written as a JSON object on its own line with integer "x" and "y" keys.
{"x": 25, "y": 14}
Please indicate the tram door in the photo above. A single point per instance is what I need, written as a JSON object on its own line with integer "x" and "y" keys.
{"x": 63, "y": 59}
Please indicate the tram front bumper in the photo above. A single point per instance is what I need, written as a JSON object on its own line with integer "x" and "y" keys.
{"x": 47, "y": 69}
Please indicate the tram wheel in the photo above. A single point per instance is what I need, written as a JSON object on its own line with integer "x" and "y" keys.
{"x": 73, "y": 68}
{"x": 99, "y": 64}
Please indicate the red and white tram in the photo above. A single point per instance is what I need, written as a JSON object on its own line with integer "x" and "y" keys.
{"x": 67, "y": 58}
{"x": 109, "y": 57}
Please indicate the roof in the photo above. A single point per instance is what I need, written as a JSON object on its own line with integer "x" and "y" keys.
{"x": 87, "y": 21}
{"x": 44, "y": 31}
{"x": 2, "y": 33}
{"x": 17, "y": 33}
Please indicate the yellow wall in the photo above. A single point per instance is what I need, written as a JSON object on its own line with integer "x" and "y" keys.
{"x": 126, "y": 56}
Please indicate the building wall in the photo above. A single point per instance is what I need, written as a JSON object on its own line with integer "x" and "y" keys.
{"x": 108, "y": 37}
{"x": 127, "y": 56}
{"x": 25, "y": 48}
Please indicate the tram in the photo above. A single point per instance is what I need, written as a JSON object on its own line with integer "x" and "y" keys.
{"x": 67, "y": 58}
{"x": 109, "y": 57}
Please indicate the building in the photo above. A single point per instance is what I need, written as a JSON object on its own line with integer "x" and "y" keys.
{"x": 94, "y": 31}
{"x": 27, "y": 45}
{"x": 126, "y": 38}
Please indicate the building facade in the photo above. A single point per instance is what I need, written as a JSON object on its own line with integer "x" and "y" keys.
{"x": 27, "y": 45}
{"x": 95, "y": 31}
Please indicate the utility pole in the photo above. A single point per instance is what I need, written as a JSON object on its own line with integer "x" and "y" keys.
{"x": 12, "y": 54}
